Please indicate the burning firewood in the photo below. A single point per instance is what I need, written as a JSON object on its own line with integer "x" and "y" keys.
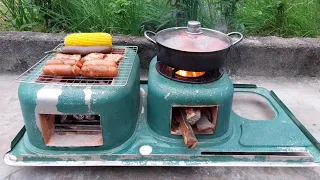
{"x": 205, "y": 121}
{"x": 204, "y": 124}
{"x": 192, "y": 115}
{"x": 186, "y": 130}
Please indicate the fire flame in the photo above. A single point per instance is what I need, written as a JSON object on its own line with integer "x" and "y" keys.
{"x": 189, "y": 73}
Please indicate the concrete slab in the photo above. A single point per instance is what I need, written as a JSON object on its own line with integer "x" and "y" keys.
{"x": 301, "y": 95}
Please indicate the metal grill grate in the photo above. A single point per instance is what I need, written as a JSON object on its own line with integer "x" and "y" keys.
{"x": 35, "y": 75}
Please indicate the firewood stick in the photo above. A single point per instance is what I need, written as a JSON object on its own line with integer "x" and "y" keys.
{"x": 204, "y": 124}
{"x": 192, "y": 115}
{"x": 186, "y": 130}
{"x": 206, "y": 112}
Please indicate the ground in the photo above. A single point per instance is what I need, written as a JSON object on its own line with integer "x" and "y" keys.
{"x": 301, "y": 95}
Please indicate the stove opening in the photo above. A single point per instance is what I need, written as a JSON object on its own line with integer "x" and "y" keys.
{"x": 190, "y": 121}
{"x": 201, "y": 119}
{"x": 71, "y": 130}
{"x": 189, "y": 74}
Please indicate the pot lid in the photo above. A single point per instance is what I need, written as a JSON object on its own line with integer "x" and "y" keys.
{"x": 193, "y": 38}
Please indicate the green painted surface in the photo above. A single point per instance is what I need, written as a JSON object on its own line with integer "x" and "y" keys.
{"x": 117, "y": 106}
{"x": 72, "y": 100}
{"x": 273, "y": 134}
{"x": 172, "y": 151}
{"x": 166, "y": 93}
{"x": 27, "y": 95}
{"x": 242, "y": 135}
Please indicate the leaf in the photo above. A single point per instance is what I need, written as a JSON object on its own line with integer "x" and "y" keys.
{"x": 28, "y": 26}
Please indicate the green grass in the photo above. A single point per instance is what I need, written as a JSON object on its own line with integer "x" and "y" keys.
{"x": 83, "y": 15}
{"x": 287, "y": 18}
{"x": 114, "y": 16}
{"x": 21, "y": 15}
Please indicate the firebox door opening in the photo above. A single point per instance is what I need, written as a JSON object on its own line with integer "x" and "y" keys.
{"x": 71, "y": 130}
{"x": 195, "y": 119}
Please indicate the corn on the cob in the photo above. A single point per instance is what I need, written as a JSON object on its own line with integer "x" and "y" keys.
{"x": 88, "y": 39}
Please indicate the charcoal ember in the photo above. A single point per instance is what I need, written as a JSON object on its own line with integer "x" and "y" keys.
{"x": 192, "y": 115}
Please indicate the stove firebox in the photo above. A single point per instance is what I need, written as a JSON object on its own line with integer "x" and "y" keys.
{"x": 165, "y": 94}
{"x": 71, "y": 130}
{"x": 173, "y": 74}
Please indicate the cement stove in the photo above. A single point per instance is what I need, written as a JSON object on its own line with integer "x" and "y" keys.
{"x": 121, "y": 122}
{"x": 171, "y": 94}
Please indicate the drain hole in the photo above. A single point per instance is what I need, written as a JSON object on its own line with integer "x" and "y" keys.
{"x": 252, "y": 106}
{"x": 71, "y": 130}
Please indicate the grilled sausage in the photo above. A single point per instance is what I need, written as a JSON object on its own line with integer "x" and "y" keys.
{"x": 60, "y": 56}
{"x": 73, "y": 62}
{"x": 66, "y": 62}
{"x": 113, "y": 57}
{"x": 82, "y": 50}
{"x": 54, "y": 62}
{"x": 82, "y": 60}
{"x": 93, "y": 56}
{"x": 100, "y": 62}
{"x": 99, "y": 71}
{"x": 61, "y": 70}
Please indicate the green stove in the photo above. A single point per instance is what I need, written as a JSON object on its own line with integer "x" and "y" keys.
{"x": 170, "y": 120}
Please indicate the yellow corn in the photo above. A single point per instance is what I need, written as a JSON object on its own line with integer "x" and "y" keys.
{"x": 88, "y": 39}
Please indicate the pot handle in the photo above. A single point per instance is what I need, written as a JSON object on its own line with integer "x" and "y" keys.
{"x": 148, "y": 37}
{"x": 238, "y": 34}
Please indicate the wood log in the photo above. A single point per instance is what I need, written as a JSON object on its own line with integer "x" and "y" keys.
{"x": 192, "y": 115}
{"x": 186, "y": 130}
{"x": 204, "y": 124}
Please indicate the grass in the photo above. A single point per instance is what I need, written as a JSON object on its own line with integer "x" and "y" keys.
{"x": 2, "y": 27}
{"x": 287, "y": 18}
{"x": 83, "y": 15}
{"x": 20, "y": 15}
{"x": 114, "y": 16}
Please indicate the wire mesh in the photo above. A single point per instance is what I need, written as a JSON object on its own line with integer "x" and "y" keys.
{"x": 35, "y": 75}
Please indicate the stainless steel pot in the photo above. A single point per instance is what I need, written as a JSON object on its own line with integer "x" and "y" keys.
{"x": 193, "y": 48}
